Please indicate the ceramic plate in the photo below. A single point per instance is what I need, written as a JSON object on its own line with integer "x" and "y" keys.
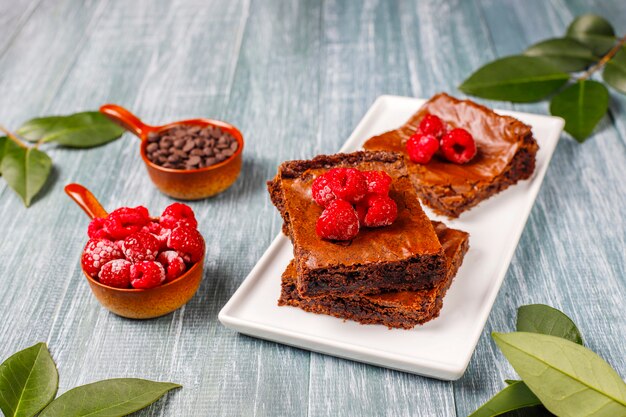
{"x": 441, "y": 348}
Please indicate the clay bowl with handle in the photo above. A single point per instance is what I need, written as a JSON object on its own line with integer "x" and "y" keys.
{"x": 137, "y": 303}
{"x": 183, "y": 184}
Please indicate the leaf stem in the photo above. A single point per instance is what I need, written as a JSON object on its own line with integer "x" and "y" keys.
{"x": 606, "y": 58}
{"x": 13, "y": 137}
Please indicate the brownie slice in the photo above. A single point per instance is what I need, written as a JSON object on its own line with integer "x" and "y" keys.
{"x": 405, "y": 255}
{"x": 506, "y": 153}
{"x": 403, "y": 309}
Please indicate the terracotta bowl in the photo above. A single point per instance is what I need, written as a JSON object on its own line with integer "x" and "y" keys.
{"x": 137, "y": 303}
{"x": 192, "y": 184}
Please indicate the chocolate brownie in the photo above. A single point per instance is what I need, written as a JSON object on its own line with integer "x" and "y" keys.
{"x": 403, "y": 309}
{"x": 506, "y": 153}
{"x": 405, "y": 255}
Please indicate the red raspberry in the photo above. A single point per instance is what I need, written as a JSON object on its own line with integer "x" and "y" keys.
{"x": 377, "y": 211}
{"x": 458, "y": 146}
{"x": 177, "y": 214}
{"x": 188, "y": 242}
{"x": 322, "y": 191}
{"x": 347, "y": 184}
{"x": 95, "y": 230}
{"x": 378, "y": 182}
{"x": 140, "y": 246}
{"x": 98, "y": 252}
{"x": 432, "y": 125}
{"x": 116, "y": 273}
{"x": 421, "y": 148}
{"x": 158, "y": 231}
{"x": 172, "y": 262}
{"x": 125, "y": 221}
{"x": 338, "y": 221}
{"x": 146, "y": 274}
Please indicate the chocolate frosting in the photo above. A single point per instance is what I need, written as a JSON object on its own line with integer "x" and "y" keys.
{"x": 497, "y": 138}
{"x": 411, "y": 233}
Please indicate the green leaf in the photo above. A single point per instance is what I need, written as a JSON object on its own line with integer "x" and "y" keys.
{"x": 594, "y": 31}
{"x": 25, "y": 170}
{"x": 569, "y": 379}
{"x": 3, "y": 142}
{"x": 515, "y": 78}
{"x": 108, "y": 398}
{"x": 511, "y": 381}
{"x": 615, "y": 71}
{"x": 565, "y": 53}
{"x": 28, "y": 382}
{"x": 582, "y": 105}
{"x": 513, "y": 397}
{"x": 540, "y": 318}
{"x": 80, "y": 130}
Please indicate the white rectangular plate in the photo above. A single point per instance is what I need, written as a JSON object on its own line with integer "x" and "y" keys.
{"x": 441, "y": 348}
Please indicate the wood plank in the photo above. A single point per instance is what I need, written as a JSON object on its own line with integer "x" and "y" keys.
{"x": 274, "y": 101}
{"x": 13, "y": 16}
{"x": 364, "y": 56}
{"x": 560, "y": 260}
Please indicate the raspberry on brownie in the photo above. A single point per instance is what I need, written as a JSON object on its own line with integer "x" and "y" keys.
{"x": 405, "y": 254}
{"x": 504, "y": 154}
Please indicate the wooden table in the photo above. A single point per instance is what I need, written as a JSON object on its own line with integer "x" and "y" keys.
{"x": 296, "y": 77}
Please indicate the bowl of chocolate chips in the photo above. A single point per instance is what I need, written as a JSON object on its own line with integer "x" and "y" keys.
{"x": 189, "y": 159}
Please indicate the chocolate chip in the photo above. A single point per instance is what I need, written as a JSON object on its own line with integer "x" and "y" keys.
{"x": 153, "y": 137}
{"x": 196, "y": 151}
{"x": 189, "y": 145}
{"x": 227, "y": 152}
{"x": 179, "y": 143}
{"x": 210, "y": 161}
{"x": 152, "y": 147}
{"x": 234, "y": 145}
{"x": 193, "y": 160}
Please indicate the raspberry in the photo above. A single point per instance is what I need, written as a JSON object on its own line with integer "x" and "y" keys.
{"x": 338, "y": 221}
{"x": 125, "y": 221}
{"x": 432, "y": 125}
{"x": 347, "y": 184}
{"x": 116, "y": 273}
{"x": 177, "y": 214}
{"x": 458, "y": 146}
{"x": 322, "y": 191}
{"x": 378, "y": 182}
{"x": 377, "y": 211}
{"x": 172, "y": 262}
{"x": 140, "y": 246}
{"x": 95, "y": 230}
{"x": 146, "y": 274}
{"x": 188, "y": 242}
{"x": 158, "y": 231}
{"x": 98, "y": 252}
{"x": 421, "y": 148}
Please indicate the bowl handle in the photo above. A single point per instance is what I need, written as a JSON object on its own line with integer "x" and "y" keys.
{"x": 85, "y": 200}
{"x": 120, "y": 116}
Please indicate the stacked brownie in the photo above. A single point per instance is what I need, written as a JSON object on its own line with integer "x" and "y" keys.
{"x": 395, "y": 275}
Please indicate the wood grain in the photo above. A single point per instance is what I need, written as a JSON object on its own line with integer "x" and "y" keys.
{"x": 295, "y": 77}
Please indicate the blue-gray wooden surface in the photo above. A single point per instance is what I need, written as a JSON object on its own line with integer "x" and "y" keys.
{"x": 296, "y": 77}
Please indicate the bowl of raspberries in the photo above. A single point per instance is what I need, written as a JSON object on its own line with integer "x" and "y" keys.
{"x": 140, "y": 266}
